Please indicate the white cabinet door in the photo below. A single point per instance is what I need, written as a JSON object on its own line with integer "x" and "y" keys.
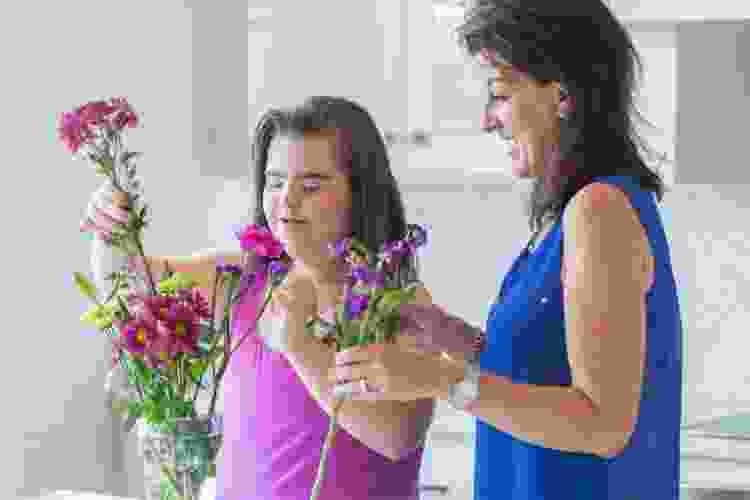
{"x": 329, "y": 48}
{"x": 684, "y": 10}
{"x": 220, "y": 81}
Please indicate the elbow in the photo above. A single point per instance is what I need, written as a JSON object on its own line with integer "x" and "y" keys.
{"x": 614, "y": 443}
{"x": 404, "y": 446}
{"x": 397, "y": 454}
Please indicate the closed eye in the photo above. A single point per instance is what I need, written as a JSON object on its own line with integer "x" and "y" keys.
{"x": 308, "y": 185}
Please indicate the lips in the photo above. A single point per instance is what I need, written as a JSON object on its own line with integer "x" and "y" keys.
{"x": 291, "y": 220}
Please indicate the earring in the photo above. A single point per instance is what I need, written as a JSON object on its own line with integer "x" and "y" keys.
{"x": 566, "y": 103}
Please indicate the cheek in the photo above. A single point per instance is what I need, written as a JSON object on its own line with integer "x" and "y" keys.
{"x": 328, "y": 201}
{"x": 336, "y": 213}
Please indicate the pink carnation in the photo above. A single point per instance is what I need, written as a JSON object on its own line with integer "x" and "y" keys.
{"x": 260, "y": 241}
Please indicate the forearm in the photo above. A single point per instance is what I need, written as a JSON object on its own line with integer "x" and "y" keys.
{"x": 201, "y": 267}
{"x": 392, "y": 428}
{"x": 557, "y": 417}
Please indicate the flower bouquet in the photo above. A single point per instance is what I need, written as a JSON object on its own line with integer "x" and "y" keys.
{"x": 164, "y": 332}
{"x": 375, "y": 288}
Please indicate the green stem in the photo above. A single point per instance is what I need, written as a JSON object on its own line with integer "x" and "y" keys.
{"x": 225, "y": 361}
{"x": 149, "y": 276}
{"x": 327, "y": 447}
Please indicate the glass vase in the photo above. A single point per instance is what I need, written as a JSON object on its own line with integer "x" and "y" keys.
{"x": 177, "y": 461}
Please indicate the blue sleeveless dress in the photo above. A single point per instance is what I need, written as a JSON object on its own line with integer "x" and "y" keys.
{"x": 526, "y": 342}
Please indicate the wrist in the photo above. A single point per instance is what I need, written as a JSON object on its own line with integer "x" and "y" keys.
{"x": 453, "y": 372}
{"x": 297, "y": 340}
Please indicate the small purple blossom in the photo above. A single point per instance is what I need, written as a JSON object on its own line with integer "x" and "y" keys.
{"x": 355, "y": 306}
{"x": 361, "y": 273}
{"x": 278, "y": 267}
{"x": 399, "y": 248}
{"x": 228, "y": 268}
{"x": 246, "y": 282}
{"x": 417, "y": 235}
{"x": 341, "y": 247}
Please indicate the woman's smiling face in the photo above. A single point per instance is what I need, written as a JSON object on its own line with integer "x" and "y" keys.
{"x": 525, "y": 113}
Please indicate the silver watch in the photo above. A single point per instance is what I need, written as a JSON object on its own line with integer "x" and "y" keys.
{"x": 465, "y": 392}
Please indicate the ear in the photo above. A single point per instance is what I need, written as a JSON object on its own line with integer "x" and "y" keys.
{"x": 566, "y": 100}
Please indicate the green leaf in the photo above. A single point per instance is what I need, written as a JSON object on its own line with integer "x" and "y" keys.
{"x": 197, "y": 369}
{"x": 135, "y": 409}
{"x": 85, "y": 285}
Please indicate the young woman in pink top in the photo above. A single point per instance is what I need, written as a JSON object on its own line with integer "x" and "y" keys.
{"x": 320, "y": 172}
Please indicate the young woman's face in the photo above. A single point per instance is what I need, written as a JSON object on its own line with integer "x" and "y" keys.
{"x": 526, "y": 114}
{"x": 307, "y": 197}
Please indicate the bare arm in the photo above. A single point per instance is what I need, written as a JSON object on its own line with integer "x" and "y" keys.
{"x": 609, "y": 269}
{"x": 392, "y": 428}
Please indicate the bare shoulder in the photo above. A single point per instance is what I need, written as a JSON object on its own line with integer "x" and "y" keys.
{"x": 602, "y": 226}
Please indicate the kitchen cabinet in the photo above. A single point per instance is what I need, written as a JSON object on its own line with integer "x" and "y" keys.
{"x": 219, "y": 88}
{"x": 640, "y": 11}
{"x": 332, "y": 48}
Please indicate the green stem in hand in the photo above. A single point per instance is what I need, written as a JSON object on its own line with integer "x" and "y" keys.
{"x": 327, "y": 447}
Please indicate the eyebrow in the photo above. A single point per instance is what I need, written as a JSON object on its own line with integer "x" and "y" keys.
{"x": 310, "y": 175}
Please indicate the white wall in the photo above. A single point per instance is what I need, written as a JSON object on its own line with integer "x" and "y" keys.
{"x": 57, "y": 433}
{"x": 712, "y": 127}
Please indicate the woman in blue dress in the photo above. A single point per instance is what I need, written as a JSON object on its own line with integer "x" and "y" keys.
{"x": 577, "y": 391}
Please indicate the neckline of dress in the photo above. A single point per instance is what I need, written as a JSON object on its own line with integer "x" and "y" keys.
{"x": 530, "y": 246}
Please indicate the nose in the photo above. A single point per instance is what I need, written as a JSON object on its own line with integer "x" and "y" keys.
{"x": 291, "y": 196}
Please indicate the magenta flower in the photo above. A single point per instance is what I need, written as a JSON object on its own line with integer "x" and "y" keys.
{"x": 137, "y": 335}
{"x": 95, "y": 113}
{"x": 156, "y": 308}
{"x": 199, "y": 304}
{"x": 182, "y": 325}
{"x": 124, "y": 116}
{"x": 160, "y": 350}
{"x": 72, "y": 131}
{"x": 260, "y": 241}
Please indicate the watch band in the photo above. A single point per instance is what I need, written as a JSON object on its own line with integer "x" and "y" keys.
{"x": 465, "y": 392}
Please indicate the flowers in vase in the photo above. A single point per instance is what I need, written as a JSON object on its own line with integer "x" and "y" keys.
{"x": 164, "y": 332}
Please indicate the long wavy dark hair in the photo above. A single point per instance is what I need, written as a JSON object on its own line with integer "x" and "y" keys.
{"x": 378, "y": 212}
{"x": 581, "y": 45}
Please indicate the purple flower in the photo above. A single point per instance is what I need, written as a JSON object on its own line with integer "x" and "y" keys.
{"x": 246, "y": 282}
{"x": 278, "y": 267}
{"x": 356, "y": 305}
{"x": 417, "y": 235}
{"x": 342, "y": 247}
{"x": 400, "y": 248}
{"x": 228, "y": 268}
{"x": 361, "y": 273}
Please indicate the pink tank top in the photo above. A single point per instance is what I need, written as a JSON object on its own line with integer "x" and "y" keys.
{"x": 274, "y": 433}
